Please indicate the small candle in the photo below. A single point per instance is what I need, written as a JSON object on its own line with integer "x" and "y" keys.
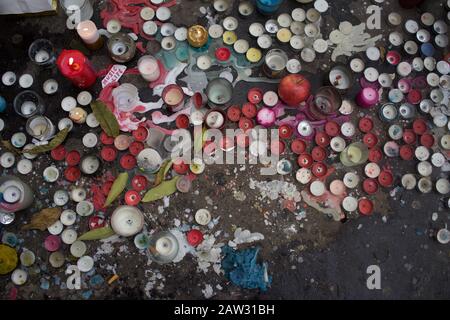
{"x": 173, "y": 95}
{"x": 148, "y": 68}
{"x": 215, "y": 119}
{"x": 41, "y": 56}
{"x": 367, "y": 97}
{"x": 88, "y": 32}
{"x": 90, "y": 164}
{"x": 78, "y": 115}
{"x": 164, "y": 246}
{"x": 28, "y": 107}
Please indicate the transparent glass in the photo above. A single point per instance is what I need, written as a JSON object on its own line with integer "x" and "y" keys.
{"x": 40, "y": 127}
{"x": 163, "y": 247}
{"x": 79, "y": 10}
{"x": 355, "y": 154}
{"x": 42, "y": 53}
{"x": 28, "y": 103}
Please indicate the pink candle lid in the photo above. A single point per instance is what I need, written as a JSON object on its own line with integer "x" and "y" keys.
{"x": 369, "y": 95}
{"x": 52, "y": 243}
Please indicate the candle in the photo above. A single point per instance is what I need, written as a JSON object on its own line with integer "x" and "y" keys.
{"x": 173, "y": 95}
{"x": 28, "y": 108}
{"x": 197, "y": 36}
{"x": 148, "y": 68}
{"x": 88, "y": 32}
{"x": 40, "y": 127}
{"x": 367, "y": 97}
{"x": 219, "y": 91}
{"x": 127, "y": 221}
{"x": 275, "y": 63}
{"x": 78, "y": 115}
{"x": 42, "y": 53}
{"x": 215, "y": 119}
{"x": 41, "y": 56}
{"x": 268, "y": 6}
{"x": 90, "y": 164}
{"x": 74, "y": 65}
{"x": 121, "y": 47}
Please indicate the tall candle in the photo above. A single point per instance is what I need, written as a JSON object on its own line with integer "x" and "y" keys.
{"x": 148, "y": 68}
{"x": 88, "y": 32}
{"x": 367, "y": 97}
{"x": 74, "y": 65}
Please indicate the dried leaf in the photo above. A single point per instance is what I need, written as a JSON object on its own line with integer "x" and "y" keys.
{"x": 8, "y": 146}
{"x": 106, "y": 118}
{"x": 97, "y": 234}
{"x": 117, "y": 187}
{"x": 165, "y": 188}
{"x": 56, "y": 141}
{"x": 44, "y": 219}
{"x": 165, "y": 167}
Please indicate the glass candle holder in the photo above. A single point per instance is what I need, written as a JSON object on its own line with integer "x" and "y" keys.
{"x": 79, "y": 10}
{"x": 121, "y": 47}
{"x": 40, "y": 127}
{"x": 28, "y": 103}
{"x": 219, "y": 91}
{"x": 88, "y": 32}
{"x": 42, "y": 53}
{"x": 275, "y": 63}
{"x": 148, "y": 68}
{"x": 173, "y": 96}
{"x": 163, "y": 247}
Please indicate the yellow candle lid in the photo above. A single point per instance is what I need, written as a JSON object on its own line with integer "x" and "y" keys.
{"x": 229, "y": 37}
{"x": 284, "y": 35}
{"x": 253, "y": 55}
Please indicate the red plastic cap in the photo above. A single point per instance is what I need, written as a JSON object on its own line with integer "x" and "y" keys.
{"x": 132, "y": 198}
{"x": 140, "y": 134}
{"x": 277, "y": 147}
{"x": 73, "y": 158}
{"x": 414, "y": 96}
{"x": 139, "y": 183}
{"x": 298, "y": 146}
{"x": 222, "y": 54}
{"x": 127, "y": 161}
{"x": 234, "y": 113}
{"x": 136, "y": 147}
{"x": 406, "y": 152}
{"x": 305, "y": 160}
{"x": 365, "y": 124}
{"x": 255, "y": 95}
{"x": 105, "y": 139}
{"x": 332, "y": 128}
{"x": 375, "y": 155}
{"x": 96, "y": 222}
{"x": 386, "y": 179}
{"x": 419, "y": 126}
{"x": 365, "y": 207}
{"x": 427, "y": 140}
{"x": 72, "y": 174}
{"x": 285, "y": 131}
{"x": 318, "y": 153}
{"x": 370, "y": 140}
{"x": 180, "y": 167}
{"x": 182, "y": 121}
{"x": 59, "y": 153}
{"x": 245, "y": 124}
{"x": 194, "y": 237}
{"x": 108, "y": 153}
{"x": 319, "y": 169}
{"x": 249, "y": 110}
{"x": 370, "y": 186}
{"x": 322, "y": 139}
{"x": 409, "y": 136}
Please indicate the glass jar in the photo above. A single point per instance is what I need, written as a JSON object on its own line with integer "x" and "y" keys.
{"x": 121, "y": 47}
{"x": 163, "y": 247}
{"x": 78, "y": 10}
{"x": 28, "y": 103}
{"x": 40, "y": 127}
{"x": 42, "y": 53}
{"x": 355, "y": 154}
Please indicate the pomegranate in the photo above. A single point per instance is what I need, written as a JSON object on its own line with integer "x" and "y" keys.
{"x": 294, "y": 89}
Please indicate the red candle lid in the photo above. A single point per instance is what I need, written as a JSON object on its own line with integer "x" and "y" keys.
{"x": 72, "y": 174}
{"x": 414, "y": 96}
{"x": 249, "y": 110}
{"x": 385, "y": 178}
{"x": 419, "y": 126}
{"x": 375, "y": 155}
{"x": 277, "y": 147}
{"x": 106, "y": 187}
{"x": 427, "y": 140}
{"x": 322, "y": 139}
{"x": 406, "y": 152}
{"x": 245, "y": 123}
{"x": 305, "y": 160}
{"x": 59, "y": 153}
{"x": 127, "y": 161}
{"x": 96, "y": 222}
{"x": 222, "y": 54}
{"x": 52, "y": 243}
{"x": 365, "y": 124}
{"x": 71, "y": 62}
{"x": 108, "y": 153}
{"x": 194, "y": 237}
{"x": 319, "y": 169}
{"x": 180, "y": 167}
{"x": 132, "y": 198}
{"x": 234, "y": 113}
{"x": 409, "y": 136}
{"x": 370, "y": 185}
{"x": 105, "y": 139}
{"x": 182, "y": 121}
{"x": 73, "y": 158}
{"x": 140, "y": 134}
{"x": 365, "y": 206}
{"x": 255, "y": 95}
{"x": 242, "y": 140}
{"x": 318, "y": 153}
{"x": 332, "y": 128}
{"x": 198, "y": 100}
{"x": 298, "y": 146}
{"x": 370, "y": 140}
{"x": 285, "y": 131}
{"x": 136, "y": 147}
{"x": 139, "y": 183}
{"x": 393, "y": 57}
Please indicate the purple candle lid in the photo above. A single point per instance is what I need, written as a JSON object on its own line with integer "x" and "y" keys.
{"x": 52, "y": 243}
{"x": 370, "y": 95}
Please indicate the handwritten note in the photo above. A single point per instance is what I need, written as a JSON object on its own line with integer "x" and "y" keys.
{"x": 114, "y": 74}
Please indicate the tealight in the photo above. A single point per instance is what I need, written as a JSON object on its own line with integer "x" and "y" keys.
{"x": 92, "y": 121}
{"x": 264, "y": 41}
{"x": 127, "y": 221}
{"x": 85, "y": 264}
{"x": 215, "y": 31}
{"x": 350, "y": 180}
{"x": 27, "y": 258}
{"x": 113, "y": 26}
{"x": 90, "y": 140}
{"x": 68, "y": 103}
{"x": 394, "y": 18}
{"x": 69, "y": 236}
{"x": 18, "y": 139}
{"x": 147, "y": 13}
{"x": 50, "y": 86}
{"x": 78, "y": 249}
{"x": 7, "y": 160}
{"x": 84, "y": 98}
{"x": 19, "y": 277}
{"x": 256, "y": 29}
{"x": 317, "y": 188}
{"x": 78, "y": 115}
{"x": 202, "y": 217}
{"x": 298, "y": 14}
{"x": 68, "y": 217}
{"x": 51, "y": 174}
{"x": 163, "y": 14}
{"x": 26, "y": 81}
{"x": 24, "y": 166}
{"x": 410, "y": 47}
{"x": 443, "y": 186}
{"x": 9, "y": 78}
{"x": 65, "y": 123}
{"x": 271, "y": 26}
{"x": 56, "y": 259}
{"x": 56, "y": 228}
{"x": 303, "y": 175}
{"x": 350, "y": 204}
{"x": 357, "y": 65}
{"x": 84, "y": 208}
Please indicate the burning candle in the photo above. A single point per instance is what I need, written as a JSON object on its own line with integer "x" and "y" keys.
{"x": 148, "y": 68}
{"x": 74, "y": 65}
{"x": 367, "y": 98}
{"x": 88, "y": 32}
{"x": 78, "y": 115}
{"x": 173, "y": 95}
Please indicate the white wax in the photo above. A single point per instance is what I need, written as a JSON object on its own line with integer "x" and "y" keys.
{"x": 88, "y": 32}
{"x": 28, "y": 107}
{"x": 41, "y": 56}
{"x": 148, "y": 68}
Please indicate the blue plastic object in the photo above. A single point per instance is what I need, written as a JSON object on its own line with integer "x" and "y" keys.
{"x": 242, "y": 269}
{"x": 2, "y": 104}
{"x": 427, "y": 49}
{"x": 268, "y": 6}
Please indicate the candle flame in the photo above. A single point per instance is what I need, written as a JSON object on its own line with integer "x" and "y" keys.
{"x": 70, "y": 61}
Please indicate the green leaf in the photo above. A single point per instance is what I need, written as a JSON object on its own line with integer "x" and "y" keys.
{"x": 117, "y": 187}
{"x": 165, "y": 188}
{"x": 56, "y": 141}
{"x": 106, "y": 118}
{"x": 165, "y": 167}
{"x": 97, "y": 234}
